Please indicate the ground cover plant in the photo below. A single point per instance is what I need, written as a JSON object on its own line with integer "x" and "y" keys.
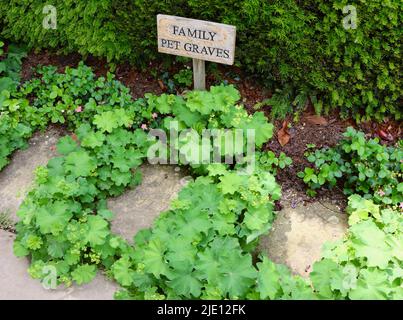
{"x": 202, "y": 247}
{"x": 10, "y": 65}
{"x": 64, "y": 219}
{"x": 368, "y": 263}
{"x": 13, "y": 132}
{"x": 367, "y": 167}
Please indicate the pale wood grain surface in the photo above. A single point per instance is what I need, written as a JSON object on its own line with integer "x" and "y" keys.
{"x": 197, "y": 39}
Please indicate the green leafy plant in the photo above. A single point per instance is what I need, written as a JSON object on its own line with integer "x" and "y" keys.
{"x": 10, "y": 66}
{"x": 13, "y": 129}
{"x": 181, "y": 80}
{"x": 366, "y": 167}
{"x": 202, "y": 247}
{"x": 184, "y": 78}
{"x": 311, "y": 53}
{"x": 168, "y": 82}
{"x": 367, "y": 263}
{"x": 280, "y": 103}
{"x": 209, "y": 226}
{"x": 64, "y": 221}
{"x": 72, "y": 97}
{"x": 13, "y": 135}
{"x": 270, "y": 162}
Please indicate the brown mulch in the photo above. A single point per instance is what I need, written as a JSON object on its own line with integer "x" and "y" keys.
{"x": 139, "y": 82}
{"x": 301, "y": 134}
{"x": 47, "y": 58}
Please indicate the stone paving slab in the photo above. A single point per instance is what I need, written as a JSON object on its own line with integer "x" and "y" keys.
{"x": 16, "y": 179}
{"x": 298, "y": 234}
{"x": 137, "y": 209}
{"x": 16, "y": 283}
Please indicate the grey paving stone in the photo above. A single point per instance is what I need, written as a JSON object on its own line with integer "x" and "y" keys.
{"x": 16, "y": 179}
{"x": 298, "y": 234}
{"x": 16, "y": 283}
{"x": 136, "y": 209}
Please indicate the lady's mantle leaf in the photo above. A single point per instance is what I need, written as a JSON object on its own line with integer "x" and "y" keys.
{"x": 97, "y": 230}
{"x": 122, "y": 272}
{"x": 66, "y": 145}
{"x": 84, "y": 273}
{"x": 268, "y": 279}
{"x": 80, "y": 164}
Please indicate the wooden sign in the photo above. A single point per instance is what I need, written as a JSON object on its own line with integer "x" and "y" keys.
{"x": 197, "y": 39}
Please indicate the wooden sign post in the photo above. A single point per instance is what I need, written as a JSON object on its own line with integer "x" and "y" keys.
{"x": 197, "y": 39}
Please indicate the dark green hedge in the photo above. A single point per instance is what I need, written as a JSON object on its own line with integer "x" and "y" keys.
{"x": 287, "y": 42}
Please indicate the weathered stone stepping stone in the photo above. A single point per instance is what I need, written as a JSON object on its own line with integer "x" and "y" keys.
{"x": 137, "y": 209}
{"x": 298, "y": 234}
{"x": 16, "y": 283}
{"x": 16, "y": 179}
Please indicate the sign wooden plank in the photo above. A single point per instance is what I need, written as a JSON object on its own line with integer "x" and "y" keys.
{"x": 199, "y": 74}
{"x": 198, "y": 39}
